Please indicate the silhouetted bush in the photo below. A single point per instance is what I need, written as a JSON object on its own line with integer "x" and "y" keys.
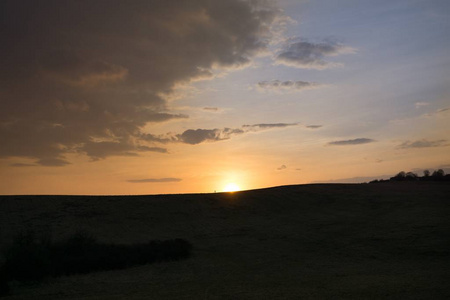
{"x": 32, "y": 259}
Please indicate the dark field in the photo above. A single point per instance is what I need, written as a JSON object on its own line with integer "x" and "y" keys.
{"x": 367, "y": 241}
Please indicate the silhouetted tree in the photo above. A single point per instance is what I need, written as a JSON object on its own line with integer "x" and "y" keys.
{"x": 438, "y": 173}
{"x": 401, "y": 174}
{"x": 411, "y": 176}
{"x": 426, "y": 173}
{"x": 399, "y": 177}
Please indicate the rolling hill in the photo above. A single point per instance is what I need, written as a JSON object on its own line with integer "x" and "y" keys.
{"x": 321, "y": 241}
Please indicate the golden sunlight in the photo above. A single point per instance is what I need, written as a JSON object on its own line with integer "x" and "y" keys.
{"x": 231, "y": 187}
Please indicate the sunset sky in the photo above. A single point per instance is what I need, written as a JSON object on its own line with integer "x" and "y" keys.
{"x": 152, "y": 96}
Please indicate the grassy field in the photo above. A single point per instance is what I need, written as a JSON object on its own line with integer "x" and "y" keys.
{"x": 325, "y": 241}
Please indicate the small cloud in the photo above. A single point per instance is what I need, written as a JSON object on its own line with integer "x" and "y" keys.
{"x": 152, "y": 149}
{"x": 268, "y": 126}
{"x": 282, "y": 167}
{"x": 357, "y": 141}
{"x": 22, "y": 165}
{"x": 298, "y": 169}
{"x": 307, "y": 55}
{"x": 421, "y": 104}
{"x": 439, "y": 112}
{"x": 373, "y": 160}
{"x": 52, "y": 162}
{"x": 443, "y": 110}
{"x": 155, "y": 180}
{"x": 211, "y": 109}
{"x": 277, "y": 85}
{"x": 198, "y": 136}
{"x": 313, "y": 126}
{"x": 163, "y": 139}
{"x": 423, "y": 144}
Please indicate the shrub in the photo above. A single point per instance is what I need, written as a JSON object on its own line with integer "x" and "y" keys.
{"x": 28, "y": 259}
{"x": 4, "y": 287}
{"x": 31, "y": 259}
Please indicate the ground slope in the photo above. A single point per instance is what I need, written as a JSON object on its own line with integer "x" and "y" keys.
{"x": 334, "y": 241}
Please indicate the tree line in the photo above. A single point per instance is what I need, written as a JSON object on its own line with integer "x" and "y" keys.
{"x": 437, "y": 175}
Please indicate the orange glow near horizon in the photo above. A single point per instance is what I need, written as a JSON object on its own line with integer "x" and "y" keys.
{"x": 231, "y": 187}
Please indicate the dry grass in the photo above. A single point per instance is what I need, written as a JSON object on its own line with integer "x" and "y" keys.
{"x": 387, "y": 240}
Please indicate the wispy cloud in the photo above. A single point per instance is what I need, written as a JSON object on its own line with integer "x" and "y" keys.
{"x": 211, "y": 109}
{"x": 289, "y": 85}
{"x": 282, "y": 167}
{"x": 152, "y": 149}
{"x": 22, "y": 165}
{"x": 102, "y": 149}
{"x": 358, "y": 141}
{"x": 269, "y": 126}
{"x": 421, "y": 104}
{"x": 443, "y": 110}
{"x": 52, "y": 162}
{"x": 423, "y": 144}
{"x": 439, "y": 112}
{"x": 313, "y": 126}
{"x": 155, "y": 180}
{"x": 309, "y": 55}
{"x": 197, "y": 136}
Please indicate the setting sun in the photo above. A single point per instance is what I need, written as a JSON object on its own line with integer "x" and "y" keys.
{"x": 231, "y": 187}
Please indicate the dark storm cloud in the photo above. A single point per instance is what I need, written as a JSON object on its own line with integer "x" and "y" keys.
{"x": 86, "y": 76}
{"x": 308, "y": 55}
{"x": 99, "y": 150}
{"x": 287, "y": 85}
{"x": 155, "y": 180}
{"x": 357, "y": 141}
{"x": 423, "y": 144}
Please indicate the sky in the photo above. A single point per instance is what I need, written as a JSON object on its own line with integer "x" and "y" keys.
{"x": 196, "y": 96}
